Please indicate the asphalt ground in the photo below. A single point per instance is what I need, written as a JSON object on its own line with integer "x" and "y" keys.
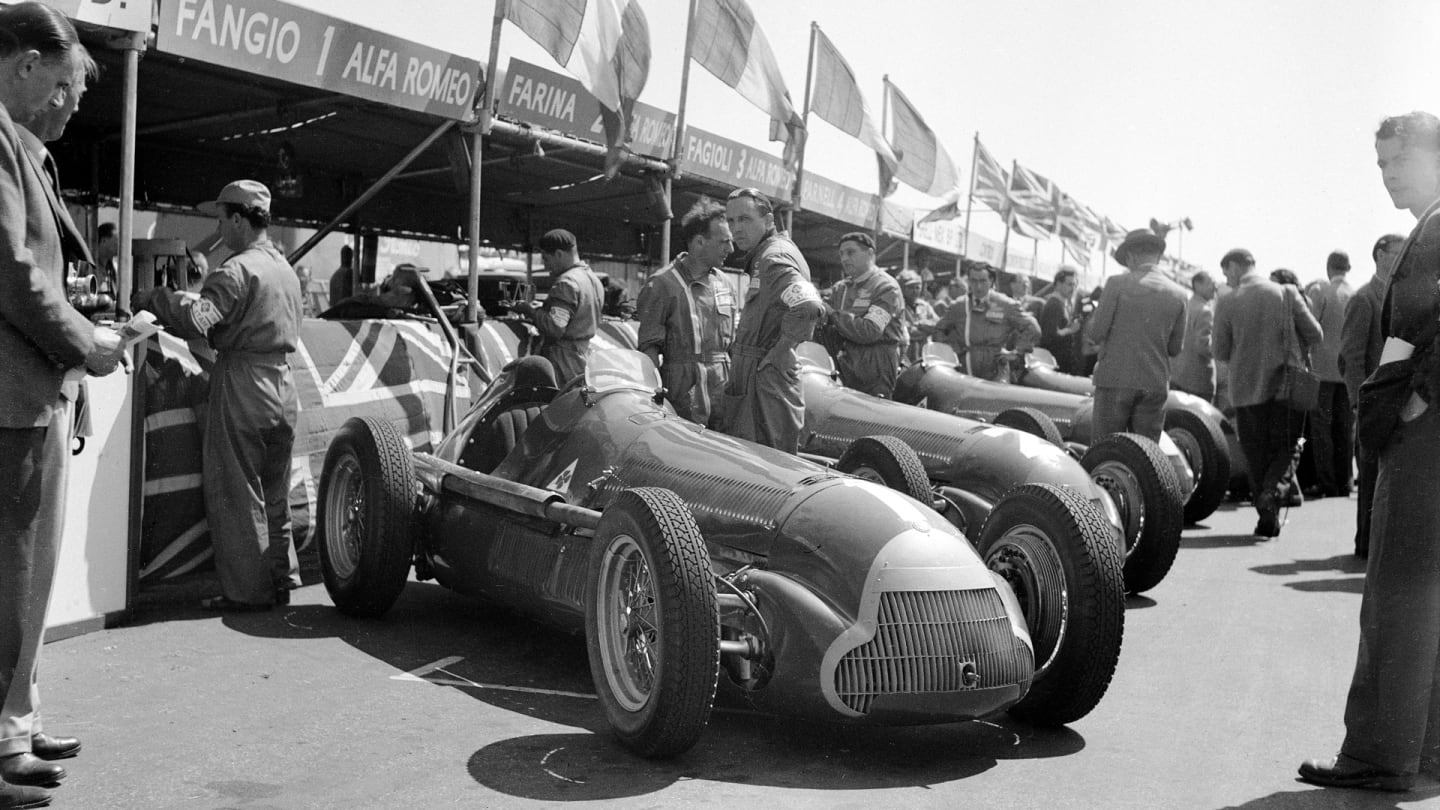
{"x": 1233, "y": 670}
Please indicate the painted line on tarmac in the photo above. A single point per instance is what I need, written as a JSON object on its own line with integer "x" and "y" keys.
{"x": 545, "y": 760}
{"x": 422, "y": 675}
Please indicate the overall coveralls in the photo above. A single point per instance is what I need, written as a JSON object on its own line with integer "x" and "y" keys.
{"x": 765, "y": 401}
{"x": 569, "y": 319}
{"x": 249, "y": 309}
{"x": 872, "y": 333}
{"x": 689, "y": 325}
{"x": 979, "y": 330}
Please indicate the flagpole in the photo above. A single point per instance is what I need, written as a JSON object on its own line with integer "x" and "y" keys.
{"x": 676, "y": 148}
{"x": 472, "y": 292}
{"x": 880, "y": 180}
{"x": 795, "y": 195}
{"x": 970, "y": 200}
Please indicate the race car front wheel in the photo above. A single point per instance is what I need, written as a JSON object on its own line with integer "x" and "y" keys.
{"x": 652, "y": 622}
{"x": 1032, "y": 421}
{"x": 887, "y": 460}
{"x": 1142, "y": 483}
{"x": 1203, "y": 445}
{"x": 366, "y": 516}
{"x": 1054, "y": 549}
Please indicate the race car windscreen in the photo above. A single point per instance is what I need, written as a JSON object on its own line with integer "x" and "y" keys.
{"x": 620, "y": 370}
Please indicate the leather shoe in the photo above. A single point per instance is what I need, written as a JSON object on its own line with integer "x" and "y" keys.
{"x": 50, "y": 748}
{"x": 15, "y": 797}
{"x": 1348, "y": 772}
{"x": 28, "y": 769}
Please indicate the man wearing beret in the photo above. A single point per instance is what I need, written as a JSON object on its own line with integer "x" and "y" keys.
{"x": 864, "y": 310}
{"x": 765, "y": 403}
{"x": 570, "y": 314}
{"x": 1138, "y": 326}
{"x": 249, "y": 309}
{"x": 982, "y": 323}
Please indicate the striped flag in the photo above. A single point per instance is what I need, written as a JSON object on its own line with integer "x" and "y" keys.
{"x": 726, "y": 40}
{"x": 992, "y": 182}
{"x": 1034, "y": 197}
{"x": 949, "y": 208}
{"x": 603, "y": 43}
{"x": 836, "y": 98}
{"x": 923, "y": 162}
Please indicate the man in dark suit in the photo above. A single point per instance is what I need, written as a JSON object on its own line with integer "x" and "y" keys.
{"x": 1361, "y": 339}
{"x": 1392, "y": 713}
{"x": 41, "y": 338}
{"x": 1257, "y": 327}
{"x": 1060, "y": 323}
{"x": 1139, "y": 325}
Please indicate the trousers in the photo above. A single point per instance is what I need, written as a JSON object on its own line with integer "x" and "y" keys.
{"x": 1332, "y": 434}
{"x": 1392, "y": 714}
{"x": 1129, "y": 409}
{"x": 34, "y": 463}
{"x": 1268, "y": 433}
{"x": 766, "y": 403}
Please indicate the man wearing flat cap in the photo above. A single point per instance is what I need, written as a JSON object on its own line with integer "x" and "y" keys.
{"x": 568, "y": 318}
{"x": 918, "y": 316}
{"x": 249, "y": 310}
{"x": 981, "y": 324}
{"x": 1138, "y": 326}
{"x": 1257, "y": 327}
{"x": 864, "y": 311}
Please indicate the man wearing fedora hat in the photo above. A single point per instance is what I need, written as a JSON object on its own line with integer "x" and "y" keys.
{"x": 249, "y": 310}
{"x": 1138, "y": 326}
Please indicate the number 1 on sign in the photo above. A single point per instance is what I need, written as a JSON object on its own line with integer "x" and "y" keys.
{"x": 324, "y": 50}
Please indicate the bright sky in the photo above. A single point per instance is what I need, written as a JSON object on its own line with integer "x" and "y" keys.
{"x": 1254, "y": 119}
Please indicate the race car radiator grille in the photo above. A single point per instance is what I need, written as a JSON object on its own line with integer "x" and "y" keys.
{"x": 934, "y": 641}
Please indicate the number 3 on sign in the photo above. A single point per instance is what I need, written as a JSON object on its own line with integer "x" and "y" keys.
{"x": 324, "y": 50}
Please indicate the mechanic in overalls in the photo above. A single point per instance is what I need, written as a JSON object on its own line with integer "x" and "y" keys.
{"x": 249, "y": 310}
{"x": 764, "y": 401}
{"x": 570, "y": 314}
{"x": 984, "y": 325}
{"x": 688, "y": 313}
{"x": 864, "y": 312}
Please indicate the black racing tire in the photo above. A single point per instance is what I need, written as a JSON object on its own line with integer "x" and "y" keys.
{"x": 1143, "y": 484}
{"x": 1055, "y": 550}
{"x": 1203, "y": 444}
{"x": 652, "y": 623}
{"x": 889, "y": 461}
{"x": 366, "y": 520}
{"x": 1032, "y": 421}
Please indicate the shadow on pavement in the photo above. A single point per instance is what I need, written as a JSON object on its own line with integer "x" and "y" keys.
{"x": 1309, "y": 797}
{"x": 1221, "y": 541}
{"x": 1135, "y": 601}
{"x": 784, "y": 753}
{"x": 1355, "y": 585}
{"x": 1344, "y": 563}
{"x": 440, "y": 638}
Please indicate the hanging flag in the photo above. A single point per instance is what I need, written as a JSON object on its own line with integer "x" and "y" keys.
{"x": 1034, "y": 197}
{"x": 603, "y": 43}
{"x": 949, "y": 208}
{"x": 923, "y": 162}
{"x": 1022, "y": 222}
{"x": 836, "y": 98}
{"x": 726, "y": 40}
{"x": 992, "y": 182}
{"x": 1111, "y": 232}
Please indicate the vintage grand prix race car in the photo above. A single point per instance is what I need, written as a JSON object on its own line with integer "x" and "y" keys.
{"x": 1148, "y": 482}
{"x": 1204, "y": 435}
{"x": 972, "y": 463}
{"x": 687, "y": 557}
